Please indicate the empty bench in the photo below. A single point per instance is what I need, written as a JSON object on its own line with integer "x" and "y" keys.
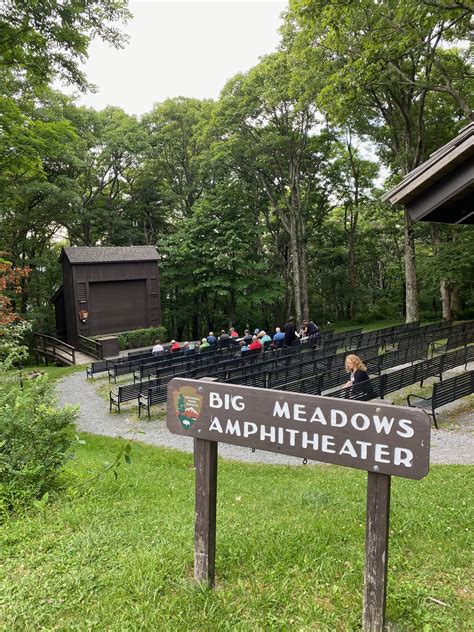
{"x": 444, "y": 393}
{"x": 155, "y": 395}
{"x": 129, "y": 392}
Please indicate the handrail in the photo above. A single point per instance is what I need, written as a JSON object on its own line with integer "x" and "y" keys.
{"x": 91, "y": 347}
{"x": 55, "y": 349}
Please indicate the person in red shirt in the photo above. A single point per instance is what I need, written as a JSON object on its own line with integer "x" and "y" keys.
{"x": 175, "y": 346}
{"x": 233, "y": 333}
{"x": 255, "y": 344}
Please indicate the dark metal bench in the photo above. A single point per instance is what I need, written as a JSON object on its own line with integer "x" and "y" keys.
{"x": 96, "y": 367}
{"x": 310, "y": 385}
{"x": 444, "y": 393}
{"x": 363, "y": 391}
{"x": 129, "y": 392}
{"x": 458, "y": 358}
{"x": 155, "y": 395}
{"x": 454, "y": 341}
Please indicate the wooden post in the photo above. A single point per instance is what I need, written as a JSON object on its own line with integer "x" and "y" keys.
{"x": 376, "y": 551}
{"x": 205, "y": 459}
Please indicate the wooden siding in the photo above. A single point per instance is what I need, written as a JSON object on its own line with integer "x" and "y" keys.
{"x": 83, "y": 284}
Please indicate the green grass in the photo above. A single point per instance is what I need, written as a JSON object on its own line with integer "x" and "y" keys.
{"x": 54, "y": 373}
{"x": 290, "y": 550}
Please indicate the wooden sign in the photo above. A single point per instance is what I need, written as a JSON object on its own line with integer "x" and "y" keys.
{"x": 385, "y": 440}
{"x": 369, "y": 436}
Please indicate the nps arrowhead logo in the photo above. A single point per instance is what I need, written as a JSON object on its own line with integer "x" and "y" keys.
{"x": 187, "y": 404}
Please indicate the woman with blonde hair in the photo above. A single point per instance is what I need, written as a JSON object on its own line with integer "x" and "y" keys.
{"x": 357, "y": 369}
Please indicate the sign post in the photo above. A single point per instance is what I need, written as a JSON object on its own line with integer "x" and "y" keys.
{"x": 205, "y": 453}
{"x": 381, "y": 439}
{"x": 376, "y": 551}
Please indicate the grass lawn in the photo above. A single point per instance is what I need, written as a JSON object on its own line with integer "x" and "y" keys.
{"x": 290, "y": 549}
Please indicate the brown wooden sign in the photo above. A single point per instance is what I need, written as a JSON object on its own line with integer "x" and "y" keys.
{"x": 375, "y": 437}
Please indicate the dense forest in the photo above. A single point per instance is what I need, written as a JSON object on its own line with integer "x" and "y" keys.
{"x": 264, "y": 202}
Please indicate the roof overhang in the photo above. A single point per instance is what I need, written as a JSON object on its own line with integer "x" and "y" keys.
{"x": 442, "y": 188}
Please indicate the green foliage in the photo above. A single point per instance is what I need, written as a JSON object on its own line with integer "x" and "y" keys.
{"x": 44, "y": 39}
{"x": 141, "y": 337}
{"x": 35, "y": 438}
{"x": 13, "y": 351}
{"x": 261, "y": 203}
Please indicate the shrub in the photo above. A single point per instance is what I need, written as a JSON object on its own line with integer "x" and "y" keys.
{"x": 35, "y": 437}
{"x": 140, "y": 337}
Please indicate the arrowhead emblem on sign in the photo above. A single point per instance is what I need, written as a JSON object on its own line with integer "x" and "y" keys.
{"x": 187, "y": 404}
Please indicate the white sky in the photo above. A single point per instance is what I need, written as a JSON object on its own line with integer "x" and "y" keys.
{"x": 181, "y": 48}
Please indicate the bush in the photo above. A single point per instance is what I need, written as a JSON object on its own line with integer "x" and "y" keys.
{"x": 140, "y": 337}
{"x": 35, "y": 437}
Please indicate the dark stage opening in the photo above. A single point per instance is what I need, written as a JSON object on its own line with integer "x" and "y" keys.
{"x": 117, "y": 306}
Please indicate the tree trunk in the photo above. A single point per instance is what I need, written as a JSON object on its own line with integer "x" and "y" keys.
{"x": 232, "y": 307}
{"x": 296, "y": 274}
{"x": 454, "y": 300}
{"x": 303, "y": 269}
{"x": 351, "y": 260}
{"x": 444, "y": 285}
{"x": 445, "y": 288}
{"x": 410, "y": 271}
{"x": 195, "y": 334}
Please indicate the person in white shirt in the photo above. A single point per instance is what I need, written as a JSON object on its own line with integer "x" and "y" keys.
{"x": 158, "y": 348}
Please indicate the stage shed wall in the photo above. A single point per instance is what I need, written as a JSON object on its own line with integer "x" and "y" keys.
{"x": 108, "y": 290}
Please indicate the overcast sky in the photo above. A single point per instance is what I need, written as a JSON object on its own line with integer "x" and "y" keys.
{"x": 181, "y": 48}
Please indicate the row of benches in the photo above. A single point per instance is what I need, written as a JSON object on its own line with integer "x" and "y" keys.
{"x": 378, "y": 386}
{"x": 346, "y": 340}
{"x": 382, "y": 385}
{"x": 310, "y": 378}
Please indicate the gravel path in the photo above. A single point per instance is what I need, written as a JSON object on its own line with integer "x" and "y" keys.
{"x": 454, "y": 446}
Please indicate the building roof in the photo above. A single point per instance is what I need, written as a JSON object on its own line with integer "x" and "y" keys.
{"x": 442, "y": 188}
{"x": 109, "y": 254}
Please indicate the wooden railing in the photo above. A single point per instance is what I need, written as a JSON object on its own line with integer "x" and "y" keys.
{"x": 91, "y": 347}
{"x": 53, "y": 349}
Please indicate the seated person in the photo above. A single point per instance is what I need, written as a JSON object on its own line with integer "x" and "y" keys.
{"x": 158, "y": 348}
{"x": 309, "y": 328}
{"x": 233, "y": 333}
{"x": 211, "y": 339}
{"x": 264, "y": 337}
{"x": 359, "y": 374}
{"x": 255, "y": 345}
{"x": 243, "y": 347}
{"x": 278, "y": 338}
{"x": 204, "y": 345}
{"x": 188, "y": 348}
{"x": 175, "y": 346}
{"x": 247, "y": 337}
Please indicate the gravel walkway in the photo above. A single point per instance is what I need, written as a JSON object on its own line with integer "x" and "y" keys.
{"x": 454, "y": 446}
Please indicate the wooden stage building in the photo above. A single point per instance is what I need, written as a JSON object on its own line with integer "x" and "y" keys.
{"x": 107, "y": 290}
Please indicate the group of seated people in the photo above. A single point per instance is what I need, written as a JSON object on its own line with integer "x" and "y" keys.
{"x": 260, "y": 340}
{"x": 255, "y": 342}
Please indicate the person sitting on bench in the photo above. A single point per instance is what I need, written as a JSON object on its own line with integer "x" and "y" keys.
{"x": 358, "y": 371}
{"x": 158, "y": 348}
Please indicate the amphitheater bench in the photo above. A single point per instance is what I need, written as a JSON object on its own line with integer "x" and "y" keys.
{"x": 96, "y": 367}
{"x": 444, "y": 393}
{"x": 155, "y": 395}
{"x": 128, "y": 392}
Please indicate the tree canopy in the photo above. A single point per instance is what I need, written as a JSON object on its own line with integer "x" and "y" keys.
{"x": 262, "y": 203}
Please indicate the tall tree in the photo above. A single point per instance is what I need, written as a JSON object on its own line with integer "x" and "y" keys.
{"x": 112, "y": 145}
{"x": 378, "y": 61}
{"x": 273, "y": 135}
{"x": 353, "y": 186}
